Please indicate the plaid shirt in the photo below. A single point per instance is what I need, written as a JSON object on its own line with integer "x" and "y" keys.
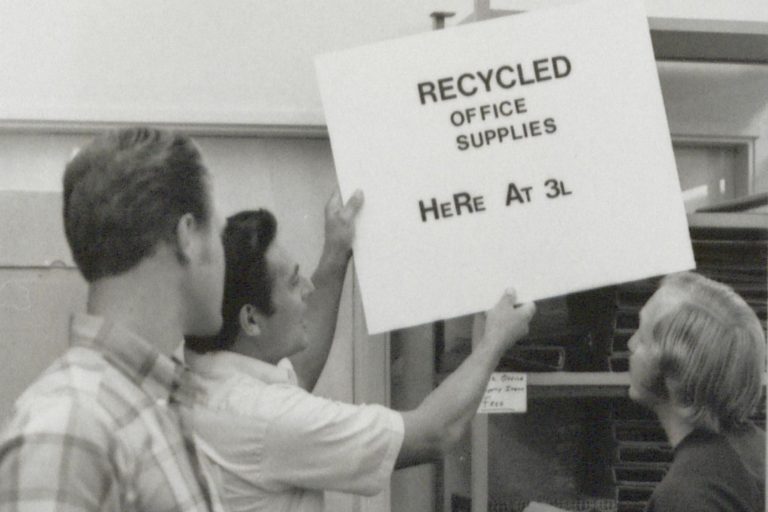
{"x": 104, "y": 428}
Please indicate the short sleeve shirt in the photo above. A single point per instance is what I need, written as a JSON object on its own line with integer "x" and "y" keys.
{"x": 271, "y": 445}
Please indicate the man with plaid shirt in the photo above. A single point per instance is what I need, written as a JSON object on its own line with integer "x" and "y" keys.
{"x": 108, "y": 425}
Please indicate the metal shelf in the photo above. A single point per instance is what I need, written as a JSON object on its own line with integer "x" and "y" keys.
{"x": 577, "y": 385}
{"x": 709, "y": 40}
{"x": 689, "y": 39}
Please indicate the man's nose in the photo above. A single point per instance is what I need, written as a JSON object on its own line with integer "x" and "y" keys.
{"x": 632, "y": 344}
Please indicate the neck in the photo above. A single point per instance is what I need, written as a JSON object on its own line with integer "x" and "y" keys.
{"x": 257, "y": 348}
{"x": 674, "y": 423}
{"x": 143, "y": 300}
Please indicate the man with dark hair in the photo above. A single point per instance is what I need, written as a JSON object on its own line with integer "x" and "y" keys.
{"x": 107, "y": 426}
{"x": 697, "y": 361}
{"x": 253, "y": 290}
{"x": 270, "y": 444}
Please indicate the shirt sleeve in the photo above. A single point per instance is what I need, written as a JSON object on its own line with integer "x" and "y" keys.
{"x": 54, "y": 457}
{"x": 316, "y": 443}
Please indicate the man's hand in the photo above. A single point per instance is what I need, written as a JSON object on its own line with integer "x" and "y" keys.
{"x": 507, "y": 323}
{"x": 441, "y": 421}
{"x": 340, "y": 223}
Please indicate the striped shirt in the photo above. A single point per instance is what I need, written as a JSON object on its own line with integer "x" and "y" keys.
{"x": 104, "y": 428}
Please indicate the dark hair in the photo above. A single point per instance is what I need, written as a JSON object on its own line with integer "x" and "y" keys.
{"x": 125, "y": 192}
{"x": 247, "y": 237}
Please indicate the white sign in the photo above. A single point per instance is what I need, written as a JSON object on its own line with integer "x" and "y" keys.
{"x": 506, "y": 392}
{"x": 529, "y": 151}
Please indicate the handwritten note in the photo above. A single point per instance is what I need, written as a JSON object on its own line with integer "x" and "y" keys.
{"x": 506, "y": 392}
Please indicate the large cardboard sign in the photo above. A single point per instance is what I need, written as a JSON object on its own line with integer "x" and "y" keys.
{"x": 530, "y": 151}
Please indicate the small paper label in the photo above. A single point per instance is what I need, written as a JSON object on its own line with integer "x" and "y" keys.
{"x": 506, "y": 392}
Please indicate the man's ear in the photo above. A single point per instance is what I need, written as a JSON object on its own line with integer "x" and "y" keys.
{"x": 250, "y": 320}
{"x": 187, "y": 238}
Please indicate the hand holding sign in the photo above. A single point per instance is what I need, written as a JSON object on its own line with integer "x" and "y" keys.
{"x": 507, "y": 322}
{"x": 340, "y": 223}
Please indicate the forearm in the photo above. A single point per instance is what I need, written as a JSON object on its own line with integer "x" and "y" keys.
{"x": 321, "y": 317}
{"x": 444, "y": 416}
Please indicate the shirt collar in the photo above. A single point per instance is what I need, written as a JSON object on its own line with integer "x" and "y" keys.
{"x": 222, "y": 364}
{"x": 159, "y": 375}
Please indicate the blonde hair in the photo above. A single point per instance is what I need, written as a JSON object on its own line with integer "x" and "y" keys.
{"x": 711, "y": 352}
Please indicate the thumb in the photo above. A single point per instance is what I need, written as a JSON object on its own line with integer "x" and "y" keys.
{"x": 355, "y": 202}
{"x": 528, "y": 309}
{"x": 510, "y": 294}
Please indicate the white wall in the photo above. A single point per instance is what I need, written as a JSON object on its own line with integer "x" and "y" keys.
{"x": 241, "y": 61}
{"x": 252, "y": 62}
{"x": 719, "y": 101}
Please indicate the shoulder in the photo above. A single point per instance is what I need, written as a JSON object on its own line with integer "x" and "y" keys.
{"x": 48, "y": 428}
{"x": 285, "y": 409}
{"x": 697, "y": 452}
{"x": 59, "y": 438}
{"x": 66, "y": 397}
{"x": 679, "y": 496}
{"x": 688, "y": 484}
{"x": 78, "y": 388}
{"x": 308, "y": 419}
{"x": 79, "y": 368}
{"x": 244, "y": 395}
{"x": 706, "y": 474}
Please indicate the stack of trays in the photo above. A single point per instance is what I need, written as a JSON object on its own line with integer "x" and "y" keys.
{"x": 533, "y": 358}
{"x": 738, "y": 258}
{"x": 642, "y": 455}
{"x": 630, "y": 298}
{"x": 564, "y": 334}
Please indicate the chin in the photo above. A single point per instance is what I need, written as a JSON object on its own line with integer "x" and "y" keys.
{"x": 296, "y": 345}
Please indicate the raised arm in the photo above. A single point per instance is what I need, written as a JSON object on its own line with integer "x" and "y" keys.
{"x": 438, "y": 424}
{"x": 328, "y": 280}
